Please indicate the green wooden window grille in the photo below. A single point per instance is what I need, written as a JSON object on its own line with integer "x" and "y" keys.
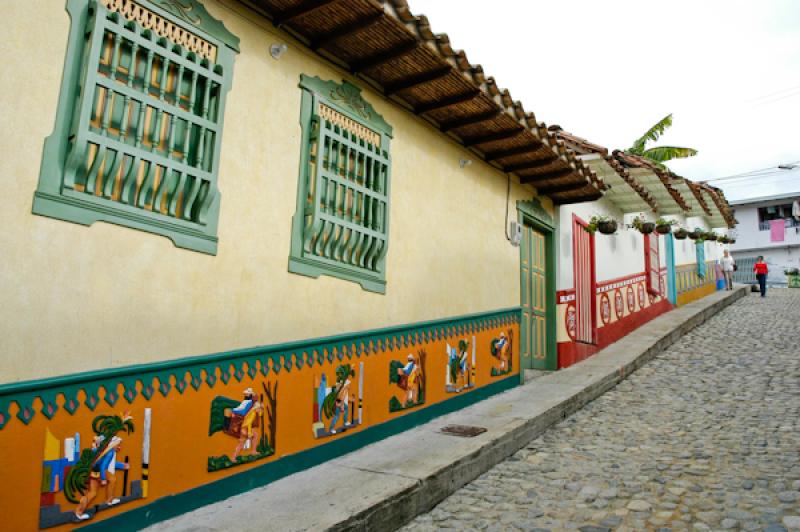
{"x": 341, "y": 226}
{"x": 139, "y": 124}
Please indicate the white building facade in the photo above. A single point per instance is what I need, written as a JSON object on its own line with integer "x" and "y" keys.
{"x": 768, "y": 226}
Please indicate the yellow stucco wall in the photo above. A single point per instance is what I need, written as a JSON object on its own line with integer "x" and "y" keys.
{"x": 77, "y": 298}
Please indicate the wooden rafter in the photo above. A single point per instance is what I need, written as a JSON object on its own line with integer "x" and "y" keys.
{"x": 558, "y": 200}
{"x": 533, "y": 179}
{"x": 298, "y": 11}
{"x": 530, "y": 165}
{"x": 419, "y": 79}
{"x": 520, "y": 150}
{"x": 383, "y": 57}
{"x": 555, "y": 189}
{"x": 492, "y": 137}
{"x": 346, "y": 30}
{"x": 469, "y": 120}
{"x": 447, "y": 102}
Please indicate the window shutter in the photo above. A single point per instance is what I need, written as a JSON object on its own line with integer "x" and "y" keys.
{"x": 341, "y": 227}
{"x": 145, "y": 135}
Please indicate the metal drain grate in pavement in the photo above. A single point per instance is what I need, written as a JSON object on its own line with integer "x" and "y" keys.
{"x": 465, "y": 431}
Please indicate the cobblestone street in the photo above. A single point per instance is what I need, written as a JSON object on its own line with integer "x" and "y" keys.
{"x": 704, "y": 437}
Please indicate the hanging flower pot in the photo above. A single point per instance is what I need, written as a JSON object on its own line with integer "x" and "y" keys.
{"x": 639, "y": 223}
{"x": 605, "y": 224}
{"x": 664, "y": 226}
{"x": 681, "y": 234}
{"x": 694, "y": 235}
{"x": 607, "y": 228}
{"x": 711, "y": 236}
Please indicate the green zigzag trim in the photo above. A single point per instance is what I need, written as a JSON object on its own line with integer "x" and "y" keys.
{"x": 147, "y": 379}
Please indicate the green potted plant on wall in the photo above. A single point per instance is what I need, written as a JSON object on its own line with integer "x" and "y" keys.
{"x": 680, "y": 233}
{"x": 695, "y": 235}
{"x": 711, "y": 236}
{"x": 603, "y": 223}
{"x": 664, "y": 226}
{"x": 641, "y": 224}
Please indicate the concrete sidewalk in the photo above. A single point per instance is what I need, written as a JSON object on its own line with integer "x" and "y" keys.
{"x": 386, "y": 484}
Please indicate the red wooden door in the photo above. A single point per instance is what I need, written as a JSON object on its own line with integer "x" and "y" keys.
{"x": 652, "y": 264}
{"x": 584, "y": 275}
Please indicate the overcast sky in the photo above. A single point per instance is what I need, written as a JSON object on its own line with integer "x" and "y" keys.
{"x": 728, "y": 70}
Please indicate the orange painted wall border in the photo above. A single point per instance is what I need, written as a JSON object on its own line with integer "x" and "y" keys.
{"x": 178, "y": 398}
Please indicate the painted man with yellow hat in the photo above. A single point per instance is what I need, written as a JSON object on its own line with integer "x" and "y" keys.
{"x": 251, "y": 412}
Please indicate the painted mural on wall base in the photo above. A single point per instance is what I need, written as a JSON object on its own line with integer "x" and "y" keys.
{"x": 502, "y": 350}
{"x": 89, "y": 479}
{"x": 333, "y": 402}
{"x": 245, "y": 422}
{"x": 409, "y": 379}
{"x": 460, "y": 368}
{"x": 216, "y": 416}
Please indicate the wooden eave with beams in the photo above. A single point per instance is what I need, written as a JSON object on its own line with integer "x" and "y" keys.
{"x": 396, "y": 53}
{"x": 720, "y": 216}
{"x": 656, "y": 181}
{"x": 718, "y": 197}
{"x": 624, "y": 190}
{"x": 700, "y": 198}
{"x": 695, "y": 204}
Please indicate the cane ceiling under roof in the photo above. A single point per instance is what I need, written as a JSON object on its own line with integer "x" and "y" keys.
{"x": 636, "y": 184}
{"x": 397, "y": 53}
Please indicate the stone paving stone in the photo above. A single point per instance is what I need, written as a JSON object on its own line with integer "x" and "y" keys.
{"x": 704, "y": 437}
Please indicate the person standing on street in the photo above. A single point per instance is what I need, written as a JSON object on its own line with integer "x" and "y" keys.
{"x": 760, "y": 267}
{"x": 728, "y": 267}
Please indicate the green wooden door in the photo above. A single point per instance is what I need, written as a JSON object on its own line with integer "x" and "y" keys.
{"x": 534, "y": 299}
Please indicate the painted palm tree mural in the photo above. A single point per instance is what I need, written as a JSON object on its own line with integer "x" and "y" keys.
{"x": 658, "y": 155}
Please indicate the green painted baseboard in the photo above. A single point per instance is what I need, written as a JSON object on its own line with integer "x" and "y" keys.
{"x": 174, "y": 505}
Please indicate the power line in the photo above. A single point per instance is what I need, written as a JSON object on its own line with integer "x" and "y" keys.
{"x": 752, "y": 172}
{"x": 761, "y": 184}
{"x": 776, "y": 93}
{"x": 777, "y": 99}
{"x": 762, "y": 175}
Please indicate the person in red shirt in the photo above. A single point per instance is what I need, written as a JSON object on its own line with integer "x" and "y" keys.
{"x": 760, "y": 267}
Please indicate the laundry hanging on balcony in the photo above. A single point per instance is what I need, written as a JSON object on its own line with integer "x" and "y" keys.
{"x": 776, "y": 230}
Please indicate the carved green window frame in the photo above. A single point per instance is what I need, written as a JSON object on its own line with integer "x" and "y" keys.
{"x": 341, "y": 225}
{"x": 139, "y": 120}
